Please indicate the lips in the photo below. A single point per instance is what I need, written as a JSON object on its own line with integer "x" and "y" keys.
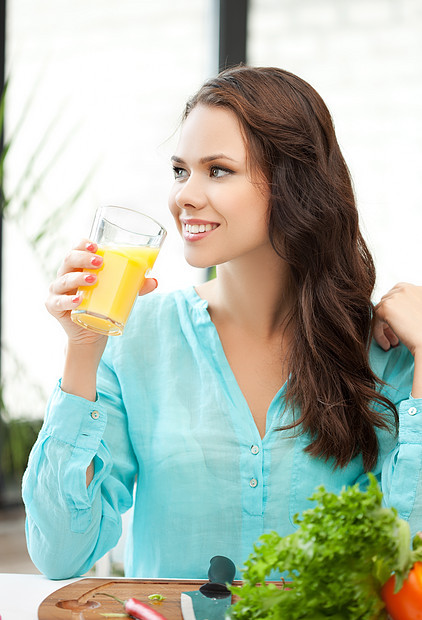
{"x": 197, "y": 229}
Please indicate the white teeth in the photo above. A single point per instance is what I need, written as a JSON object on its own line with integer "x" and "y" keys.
{"x": 193, "y": 229}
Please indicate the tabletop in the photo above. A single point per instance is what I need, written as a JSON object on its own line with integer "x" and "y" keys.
{"x": 21, "y": 595}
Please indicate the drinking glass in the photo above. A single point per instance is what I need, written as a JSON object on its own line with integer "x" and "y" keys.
{"x": 129, "y": 242}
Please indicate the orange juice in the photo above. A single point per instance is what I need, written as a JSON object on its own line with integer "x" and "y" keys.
{"x": 106, "y": 305}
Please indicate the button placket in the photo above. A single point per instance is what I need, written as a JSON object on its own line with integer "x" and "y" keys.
{"x": 255, "y": 450}
{"x": 252, "y": 458}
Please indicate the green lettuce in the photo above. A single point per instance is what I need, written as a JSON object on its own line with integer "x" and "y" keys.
{"x": 335, "y": 563}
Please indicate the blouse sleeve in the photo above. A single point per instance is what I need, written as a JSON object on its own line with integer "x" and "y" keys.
{"x": 401, "y": 459}
{"x": 69, "y": 526}
{"x": 401, "y": 478}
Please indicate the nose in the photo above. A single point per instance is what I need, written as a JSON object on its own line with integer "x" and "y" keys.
{"x": 190, "y": 194}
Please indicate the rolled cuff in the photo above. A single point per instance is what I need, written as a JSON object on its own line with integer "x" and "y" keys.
{"x": 74, "y": 420}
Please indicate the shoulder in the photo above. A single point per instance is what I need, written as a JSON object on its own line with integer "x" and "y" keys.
{"x": 395, "y": 368}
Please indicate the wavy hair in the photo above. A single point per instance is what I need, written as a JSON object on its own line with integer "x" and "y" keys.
{"x": 313, "y": 225}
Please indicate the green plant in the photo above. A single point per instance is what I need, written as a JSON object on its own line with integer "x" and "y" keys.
{"x": 18, "y": 437}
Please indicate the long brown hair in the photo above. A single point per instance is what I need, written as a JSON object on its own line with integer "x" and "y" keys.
{"x": 313, "y": 225}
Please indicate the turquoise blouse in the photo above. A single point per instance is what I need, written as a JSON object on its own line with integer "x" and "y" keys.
{"x": 172, "y": 432}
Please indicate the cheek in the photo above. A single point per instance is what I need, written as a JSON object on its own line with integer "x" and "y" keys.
{"x": 174, "y": 209}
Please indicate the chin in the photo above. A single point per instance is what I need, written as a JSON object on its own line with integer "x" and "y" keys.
{"x": 204, "y": 260}
{"x": 198, "y": 264}
{"x": 197, "y": 261}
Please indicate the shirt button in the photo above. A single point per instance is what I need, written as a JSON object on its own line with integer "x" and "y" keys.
{"x": 254, "y": 449}
{"x": 253, "y": 482}
{"x": 412, "y": 411}
{"x": 95, "y": 415}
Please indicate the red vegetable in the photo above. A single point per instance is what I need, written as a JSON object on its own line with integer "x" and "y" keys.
{"x": 406, "y": 604}
{"x": 136, "y": 609}
{"x": 141, "y": 611}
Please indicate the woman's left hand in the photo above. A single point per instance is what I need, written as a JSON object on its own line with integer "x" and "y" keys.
{"x": 399, "y": 317}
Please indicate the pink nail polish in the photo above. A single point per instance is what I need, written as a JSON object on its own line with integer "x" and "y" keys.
{"x": 76, "y": 299}
{"x": 90, "y": 278}
{"x": 96, "y": 261}
{"x": 91, "y": 247}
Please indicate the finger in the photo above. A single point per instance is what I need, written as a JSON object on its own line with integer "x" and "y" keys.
{"x": 149, "y": 285}
{"x": 392, "y": 292}
{"x": 382, "y": 307}
{"x": 390, "y": 295}
{"x": 400, "y": 287}
{"x": 81, "y": 257}
{"x": 380, "y": 336}
{"x": 68, "y": 283}
{"x": 58, "y": 305}
{"x": 391, "y": 336}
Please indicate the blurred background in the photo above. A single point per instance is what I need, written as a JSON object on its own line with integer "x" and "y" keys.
{"x": 94, "y": 90}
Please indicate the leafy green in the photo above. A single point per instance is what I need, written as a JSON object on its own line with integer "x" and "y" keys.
{"x": 336, "y": 562}
{"x": 156, "y": 597}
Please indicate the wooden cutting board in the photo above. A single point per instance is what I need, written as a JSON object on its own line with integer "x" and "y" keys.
{"x": 82, "y": 600}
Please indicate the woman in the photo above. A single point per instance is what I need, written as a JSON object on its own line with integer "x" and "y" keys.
{"x": 229, "y": 403}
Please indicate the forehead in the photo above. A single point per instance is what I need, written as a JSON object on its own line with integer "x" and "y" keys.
{"x": 211, "y": 129}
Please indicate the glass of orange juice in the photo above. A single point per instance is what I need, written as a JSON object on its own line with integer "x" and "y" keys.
{"x": 129, "y": 242}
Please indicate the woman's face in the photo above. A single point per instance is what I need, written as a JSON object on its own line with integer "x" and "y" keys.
{"x": 220, "y": 206}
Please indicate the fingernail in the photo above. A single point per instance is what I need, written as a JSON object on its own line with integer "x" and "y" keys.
{"x": 96, "y": 260}
{"x": 91, "y": 247}
{"x": 156, "y": 282}
{"x": 90, "y": 277}
{"x": 76, "y": 299}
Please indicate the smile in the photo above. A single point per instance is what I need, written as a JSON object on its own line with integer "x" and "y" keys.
{"x": 194, "y": 229}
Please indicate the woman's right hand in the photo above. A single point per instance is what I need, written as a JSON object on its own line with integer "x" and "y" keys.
{"x": 63, "y": 297}
{"x": 85, "y": 347}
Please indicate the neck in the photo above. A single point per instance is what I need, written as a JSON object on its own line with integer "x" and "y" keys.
{"x": 254, "y": 292}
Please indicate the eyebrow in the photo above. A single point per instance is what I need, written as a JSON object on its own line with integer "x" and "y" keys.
{"x": 203, "y": 160}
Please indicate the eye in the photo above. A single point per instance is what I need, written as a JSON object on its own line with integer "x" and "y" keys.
{"x": 217, "y": 172}
{"x": 179, "y": 173}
